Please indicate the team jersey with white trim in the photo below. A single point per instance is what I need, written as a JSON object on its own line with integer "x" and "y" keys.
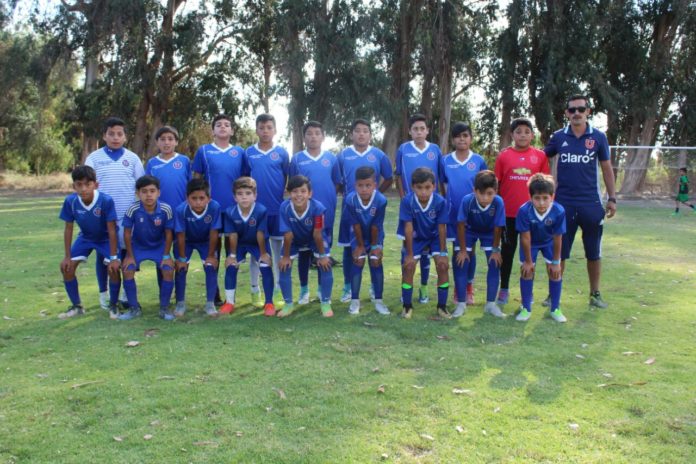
{"x": 117, "y": 171}
{"x": 325, "y": 175}
{"x": 541, "y": 227}
{"x": 301, "y": 225}
{"x": 478, "y": 219}
{"x": 148, "y": 228}
{"x": 425, "y": 219}
{"x": 220, "y": 167}
{"x": 578, "y": 164}
{"x": 459, "y": 177}
{"x": 197, "y": 227}
{"x": 350, "y": 159}
{"x": 173, "y": 175}
{"x": 270, "y": 171}
{"x": 366, "y": 216}
{"x": 246, "y": 227}
{"x": 409, "y": 157}
{"x": 91, "y": 218}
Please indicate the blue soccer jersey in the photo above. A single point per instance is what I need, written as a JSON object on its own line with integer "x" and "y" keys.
{"x": 367, "y": 216}
{"x": 479, "y": 220}
{"x": 425, "y": 219}
{"x": 459, "y": 177}
{"x": 197, "y": 227}
{"x": 578, "y": 164}
{"x": 148, "y": 228}
{"x": 301, "y": 225}
{"x": 350, "y": 159}
{"x": 270, "y": 171}
{"x": 324, "y": 173}
{"x": 220, "y": 167}
{"x": 246, "y": 227}
{"x": 173, "y": 175}
{"x": 409, "y": 157}
{"x": 91, "y": 218}
{"x": 541, "y": 227}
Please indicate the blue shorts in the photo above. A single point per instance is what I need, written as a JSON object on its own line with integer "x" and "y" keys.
{"x": 344, "y": 228}
{"x": 295, "y": 249}
{"x": 546, "y": 252}
{"x": 471, "y": 239}
{"x": 591, "y": 220}
{"x": 253, "y": 250}
{"x": 147, "y": 255}
{"x": 273, "y": 224}
{"x": 82, "y": 248}
{"x": 423, "y": 247}
{"x": 201, "y": 247}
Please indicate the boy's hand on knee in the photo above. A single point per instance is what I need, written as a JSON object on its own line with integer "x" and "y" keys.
{"x": 441, "y": 264}
{"x": 324, "y": 263}
{"x": 231, "y": 261}
{"x": 181, "y": 266}
{"x": 265, "y": 259}
{"x": 66, "y": 266}
{"x": 284, "y": 263}
{"x": 358, "y": 253}
{"x": 409, "y": 262}
{"x": 128, "y": 261}
{"x": 114, "y": 266}
{"x": 496, "y": 258}
{"x": 554, "y": 271}
{"x": 211, "y": 261}
{"x": 167, "y": 264}
{"x": 376, "y": 257}
{"x": 462, "y": 257}
{"x": 527, "y": 270}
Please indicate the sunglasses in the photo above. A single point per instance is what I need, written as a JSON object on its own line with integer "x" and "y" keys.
{"x": 579, "y": 109}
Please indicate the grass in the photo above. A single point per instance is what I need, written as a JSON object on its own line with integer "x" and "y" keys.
{"x": 352, "y": 389}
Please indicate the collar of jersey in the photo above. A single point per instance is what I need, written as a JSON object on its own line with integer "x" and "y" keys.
{"x": 251, "y": 211}
{"x": 536, "y": 213}
{"x": 114, "y": 154}
{"x": 91, "y": 205}
{"x": 430, "y": 202}
{"x": 372, "y": 198}
{"x": 158, "y": 208}
{"x": 305, "y": 211}
{"x": 456, "y": 160}
{"x": 588, "y": 129}
{"x": 159, "y": 157}
{"x": 481, "y": 208}
{"x": 313, "y": 158}
{"x": 256, "y": 145}
{"x": 198, "y": 216}
{"x": 369, "y": 147}
{"x": 222, "y": 149}
{"x": 427, "y": 145}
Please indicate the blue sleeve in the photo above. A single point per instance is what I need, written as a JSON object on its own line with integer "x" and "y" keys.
{"x": 405, "y": 211}
{"x": 551, "y": 148}
{"x": 199, "y": 164}
{"x": 110, "y": 212}
{"x": 263, "y": 223}
{"x": 499, "y": 220}
{"x": 462, "y": 211}
{"x": 442, "y": 171}
{"x": 292, "y": 170}
{"x": 169, "y": 224}
{"x": 379, "y": 217}
{"x": 217, "y": 218}
{"x": 522, "y": 221}
{"x": 189, "y": 175}
{"x": 283, "y": 226}
{"x": 603, "y": 149}
{"x": 385, "y": 167}
{"x": 286, "y": 162}
{"x": 559, "y": 227}
{"x": 483, "y": 166}
{"x": 127, "y": 221}
{"x": 397, "y": 162}
{"x": 246, "y": 168}
{"x": 179, "y": 221}
{"x": 336, "y": 175}
{"x": 228, "y": 223}
{"x": 443, "y": 212}
{"x": 148, "y": 167}
{"x": 66, "y": 213}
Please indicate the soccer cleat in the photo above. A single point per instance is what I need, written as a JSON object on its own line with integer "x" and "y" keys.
{"x": 494, "y": 310}
{"x": 304, "y": 296}
{"x": 381, "y": 308}
{"x": 675, "y": 213}
{"x": 227, "y": 308}
{"x": 180, "y": 308}
{"x": 166, "y": 314}
{"x": 72, "y": 311}
{"x": 459, "y": 310}
{"x": 218, "y": 301}
{"x": 113, "y": 312}
{"x": 523, "y": 315}
{"x": 557, "y": 315}
{"x": 346, "y": 295}
{"x": 210, "y": 309}
{"x": 597, "y": 301}
{"x": 269, "y": 310}
{"x": 443, "y": 313}
{"x": 547, "y": 302}
{"x": 131, "y": 314}
{"x": 326, "y": 310}
{"x": 372, "y": 290}
{"x": 256, "y": 300}
{"x": 354, "y": 308}
{"x": 104, "y": 300}
{"x": 423, "y": 297}
{"x": 286, "y": 311}
{"x": 407, "y": 312}
{"x": 469, "y": 294}
{"x": 503, "y": 297}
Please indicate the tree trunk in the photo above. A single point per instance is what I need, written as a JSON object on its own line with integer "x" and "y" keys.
{"x": 90, "y": 142}
{"x": 445, "y": 106}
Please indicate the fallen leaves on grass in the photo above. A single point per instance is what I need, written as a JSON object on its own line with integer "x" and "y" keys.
{"x": 132, "y": 344}
{"x": 425, "y": 436}
{"x": 574, "y": 427}
{"x": 579, "y": 356}
{"x": 418, "y": 387}
{"x": 375, "y": 370}
{"x": 239, "y": 433}
{"x": 442, "y": 337}
{"x": 84, "y": 384}
{"x": 461, "y": 391}
{"x": 281, "y": 393}
{"x": 118, "y": 439}
{"x": 649, "y": 361}
{"x": 151, "y": 332}
{"x": 459, "y": 429}
{"x": 631, "y": 353}
{"x": 212, "y": 444}
{"x": 381, "y": 388}
{"x": 166, "y": 377}
{"x": 616, "y": 384}
{"x": 148, "y": 436}
{"x": 369, "y": 324}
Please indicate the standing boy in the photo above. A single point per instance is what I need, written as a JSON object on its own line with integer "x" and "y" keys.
{"x": 197, "y": 224}
{"x": 409, "y": 157}
{"x": 360, "y": 154}
{"x": 366, "y": 207}
{"x": 148, "y": 226}
{"x": 246, "y": 231}
{"x": 302, "y": 224}
{"x": 95, "y": 214}
{"x": 423, "y": 218}
{"x": 683, "y": 192}
{"x": 541, "y": 225}
{"x": 171, "y": 168}
{"x": 513, "y": 168}
{"x": 480, "y": 217}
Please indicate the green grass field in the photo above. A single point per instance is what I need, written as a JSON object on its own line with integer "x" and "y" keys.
{"x": 609, "y": 386}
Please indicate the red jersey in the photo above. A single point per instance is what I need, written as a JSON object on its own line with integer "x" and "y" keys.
{"x": 513, "y": 168}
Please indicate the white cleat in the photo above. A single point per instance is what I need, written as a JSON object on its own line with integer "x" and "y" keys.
{"x": 494, "y": 310}
{"x": 459, "y": 310}
{"x": 354, "y": 308}
{"x": 381, "y": 308}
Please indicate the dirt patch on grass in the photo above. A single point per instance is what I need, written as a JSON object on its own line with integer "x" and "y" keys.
{"x": 14, "y": 184}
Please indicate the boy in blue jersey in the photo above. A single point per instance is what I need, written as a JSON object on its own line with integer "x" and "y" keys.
{"x": 95, "y": 214}
{"x": 360, "y": 154}
{"x": 246, "y": 231}
{"x": 197, "y": 224}
{"x": 148, "y": 226}
{"x": 171, "y": 168}
{"x": 480, "y": 217}
{"x": 541, "y": 224}
{"x": 304, "y": 232}
{"x": 457, "y": 172}
{"x": 410, "y": 156}
{"x": 268, "y": 165}
{"x": 423, "y": 218}
{"x": 366, "y": 207}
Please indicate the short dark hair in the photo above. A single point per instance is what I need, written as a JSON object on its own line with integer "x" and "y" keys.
{"x": 422, "y": 175}
{"x": 265, "y": 117}
{"x": 578, "y": 96}
{"x": 197, "y": 184}
{"x": 517, "y": 122}
{"x": 113, "y": 121}
{"x": 167, "y": 130}
{"x": 484, "y": 180}
{"x": 682, "y": 169}
{"x": 298, "y": 181}
{"x": 459, "y": 128}
{"x": 222, "y": 117}
{"x": 84, "y": 172}
{"x": 415, "y": 118}
{"x": 244, "y": 182}
{"x": 364, "y": 173}
{"x": 541, "y": 183}
{"x": 146, "y": 180}
{"x": 358, "y": 122}
{"x": 309, "y": 124}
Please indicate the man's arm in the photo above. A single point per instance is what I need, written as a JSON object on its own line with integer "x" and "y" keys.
{"x": 608, "y": 174}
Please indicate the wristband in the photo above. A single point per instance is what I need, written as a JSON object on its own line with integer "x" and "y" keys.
{"x": 166, "y": 257}
{"x": 555, "y": 261}
{"x": 181, "y": 259}
{"x": 114, "y": 258}
{"x": 376, "y": 247}
{"x": 444, "y": 253}
{"x": 495, "y": 250}
{"x": 232, "y": 255}
{"x": 612, "y": 199}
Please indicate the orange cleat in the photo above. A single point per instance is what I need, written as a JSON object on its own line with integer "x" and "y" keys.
{"x": 227, "y": 308}
{"x": 269, "y": 310}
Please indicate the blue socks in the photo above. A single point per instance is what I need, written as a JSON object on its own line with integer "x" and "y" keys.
{"x": 268, "y": 283}
{"x": 114, "y": 289}
{"x": 166, "y": 293}
{"x": 555, "y": 287}
{"x": 131, "y": 292}
{"x": 460, "y": 278}
{"x": 472, "y": 268}
{"x": 102, "y": 273}
{"x": 285, "y": 281}
{"x": 72, "y": 290}
{"x": 231, "y": 278}
{"x": 492, "y": 279}
{"x": 377, "y": 276}
{"x": 304, "y": 259}
{"x": 425, "y": 268}
{"x": 407, "y": 295}
{"x": 356, "y": 281}
{"x": 210, "y": 283}
{"x": 180, "y": 284}
{"x": 347, "y": 266}
{"x": 442, "y": 291}
{"x": 325, "y": 284}
{"x": 526, "y": 289}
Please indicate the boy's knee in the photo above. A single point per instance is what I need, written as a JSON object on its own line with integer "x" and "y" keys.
{"x": 442, "y": 266}
{"x": 359, "y": 263}
{"x": 128, "y": 274}
{"x": 409, "y": 268}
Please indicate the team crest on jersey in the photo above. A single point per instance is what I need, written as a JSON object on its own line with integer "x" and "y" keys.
{"x": 534, "y": 159}
{"x": 373, "y": 211}
{"x": 308, "y": 221}
{"x": 548, "y": 221}
{"x": 325, "y": 162}
{"x": 252, "y": 222}
{"x": 589, "y": 144}
{"x": 274, "y": 156}
{"x": 97, "y": 211}
{"x": 125, "y": 163}
{"x": 471, "y": 165}
{"x": 234, "y": 153}
{"x": 208, "y": 219}
{"x": 431, "y": 155}
{"x": 371, "y": 158}
{"x": 158, "y": 221}
{"x": 432, "y": 213}
{"x": 178, "y": 165}
{"x": 491, "y": 211}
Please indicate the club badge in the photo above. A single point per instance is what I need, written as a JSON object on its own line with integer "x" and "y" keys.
{"x": 589, "y": 144}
